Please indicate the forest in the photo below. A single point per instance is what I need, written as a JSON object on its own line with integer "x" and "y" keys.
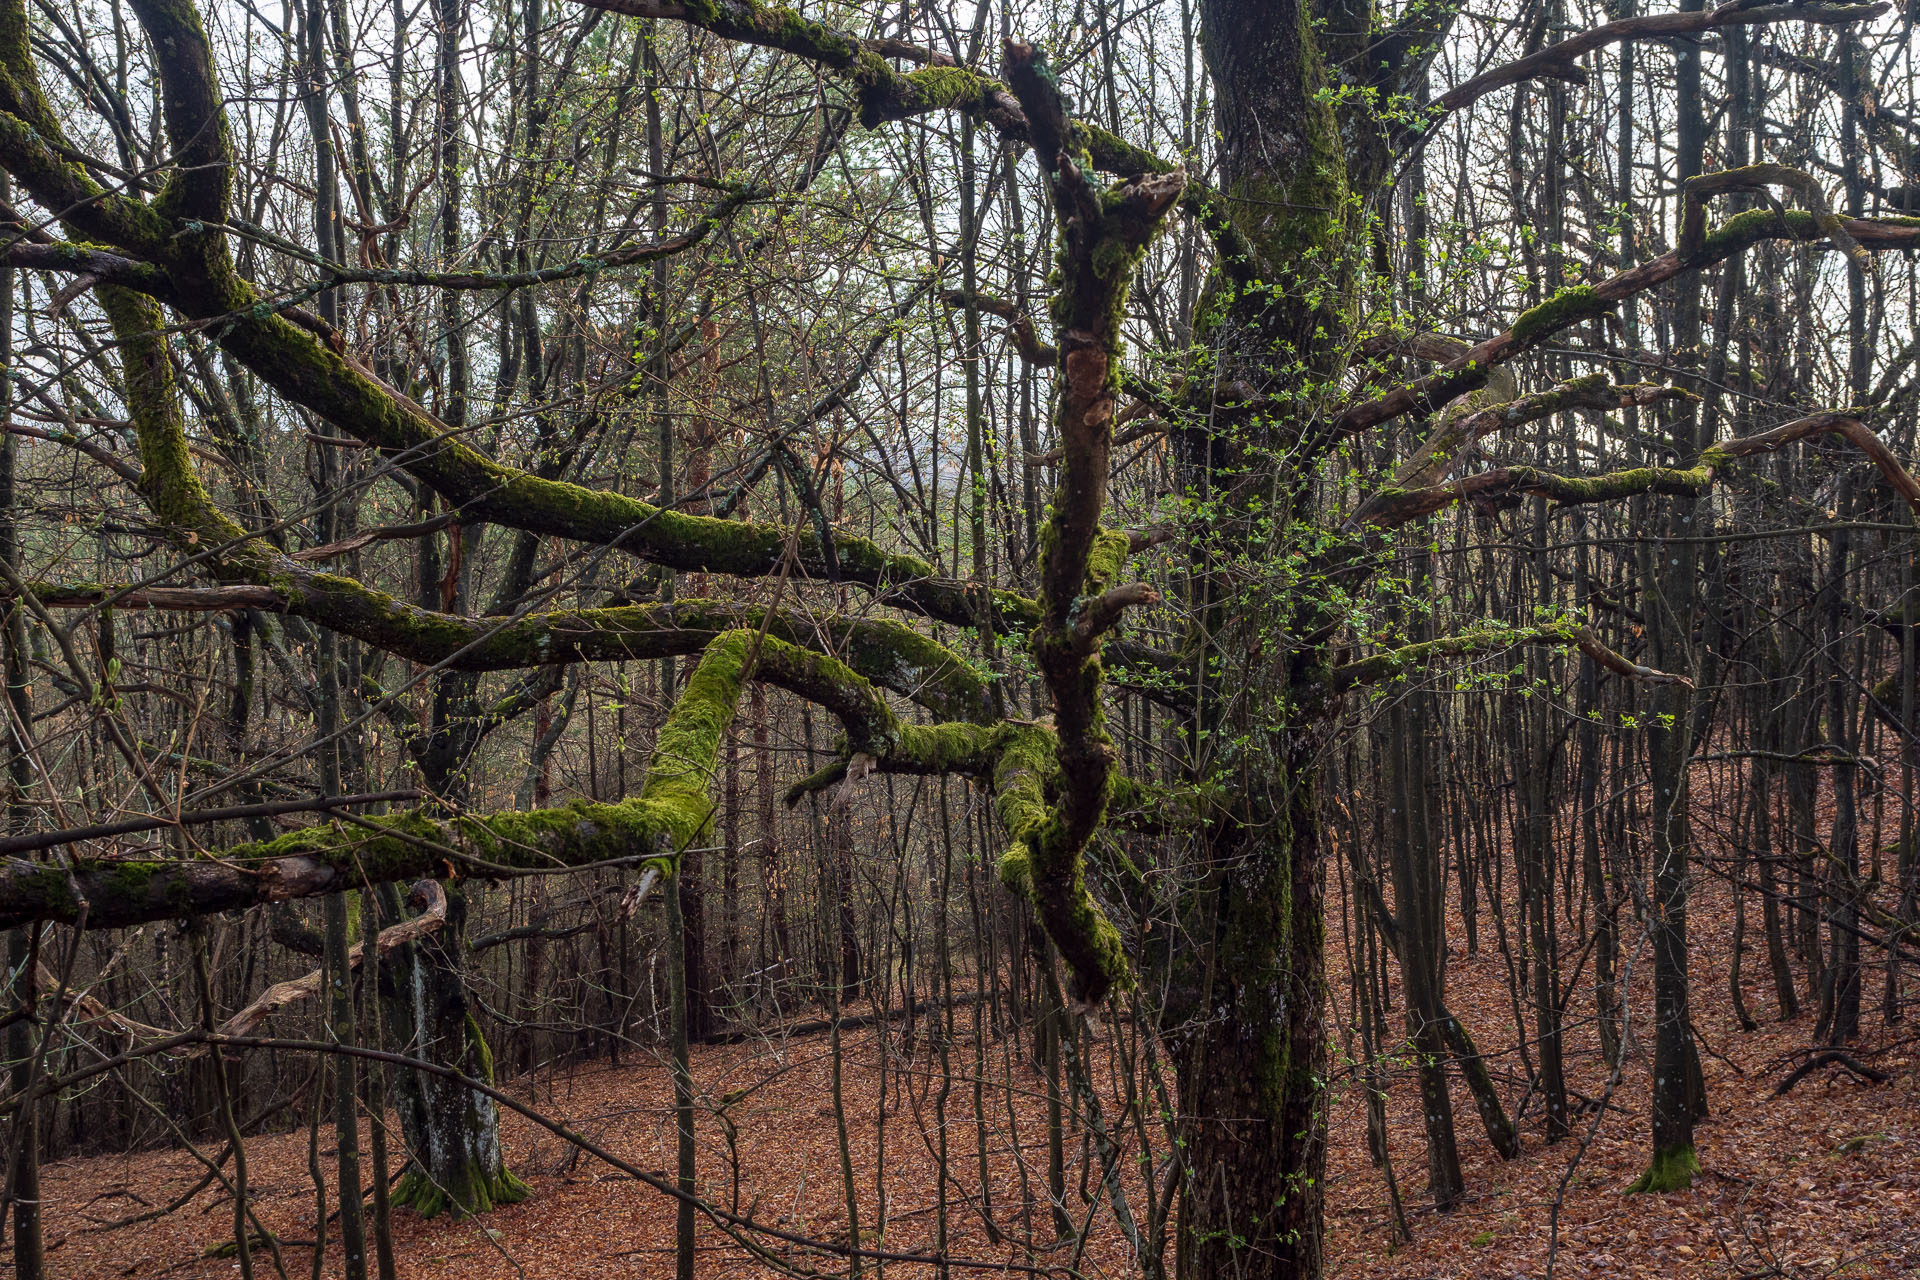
{"x": 1183, "y": 639}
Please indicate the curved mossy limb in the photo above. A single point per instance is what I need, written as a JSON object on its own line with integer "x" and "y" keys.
{"x": 1049, "y": 869}
{"x": 891, "y": 654}
{"x": 685, "y": 752}
{"x": 668, "y": 815}
{"x": 1671, "y": 1170}
{"x": 452, "y": 1131}
{"x": 1051, "y": 786}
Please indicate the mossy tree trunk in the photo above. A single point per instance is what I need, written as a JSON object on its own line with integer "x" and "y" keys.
{"x": 1253, "y": 1201}
{"x": 23, "y": 1178}
{"x": 1253, "y": 1078}
{"x": 452, "y": 1133}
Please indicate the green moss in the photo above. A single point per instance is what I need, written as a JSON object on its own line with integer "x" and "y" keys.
{"x": 1044, "y": 864}
{"x": 479, "y": 1052}
{"x": 170, "y": 483}
{"x": 1570, "y": 391}
{"x": 1567, "y": 307}
{"x": 949, "y": 86}
{"x": 1671, "y": 1170}
{"x": 133, "y": 879}
{"x": 1752, "y": 226}
{"x": 466, "y": 1194}
{"x": 1115, "y": 154}
{"x": 814, "y": 783}
{"x": 897, "y": 657}
{"x": 1015, "y": 869}
{"x": 1106, "y": 558}
{"x": 405, "y": 845}
{"x": 1570, "y": 490}
{"x": 948, "y": 748}
{"x": 1023, "y": 763}
{"x": 870, "y": 71}
{"x": 776, "y": 26}
{"x": 688, "y": 745}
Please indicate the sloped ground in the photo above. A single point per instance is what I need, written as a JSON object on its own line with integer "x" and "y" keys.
{"x": 1824, "y": 1182}
{"x": 585, "y": 1219}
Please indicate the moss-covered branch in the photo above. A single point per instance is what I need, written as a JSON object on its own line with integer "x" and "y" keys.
{"x": 256, "y": 575}
{"x": 1395, "y": 506}
{"x": 1752, "y": 177}
{"x": 1571, "y": 306}
{"x": 888, "y": 654}
{"x": 885, "y": 94}
{"x": 1052, "y": 788}
{"x": 318, "y": 860}
{"x": 90, "y": 264}
{"x": 1465, "y": 422}
{"x": 672, "y": 810}
{"x": 1046, "y": 862}
{"x": 1395, "y": 663}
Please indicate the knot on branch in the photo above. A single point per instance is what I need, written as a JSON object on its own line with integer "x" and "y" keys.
{"x": 1101, "y": 613}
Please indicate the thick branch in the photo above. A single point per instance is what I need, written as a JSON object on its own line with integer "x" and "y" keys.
{"x": 1558, "y": 61}
{"x": 1585, "y": 302}
{"x": 885, "y": 94}
{"x": 1463, "y": 424}
{"x": 1397, "y": 507}
{"x": 1397, "y": 662}
{"x": 1753, "y": 177}
{"x": 672, "y": 811}
{"x": 1102, "y": 235}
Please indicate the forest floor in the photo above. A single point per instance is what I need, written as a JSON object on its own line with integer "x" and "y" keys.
{"x": 1823, "y": 1182}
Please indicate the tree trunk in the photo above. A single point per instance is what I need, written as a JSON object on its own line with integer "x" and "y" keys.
{"x": 1670, "y": 586}
{"x": 1252, "y": 1072}
{"x": 452, "y": 1133}
{"x": 1418, "y": 895}
{"x": 1251, "y": 1081}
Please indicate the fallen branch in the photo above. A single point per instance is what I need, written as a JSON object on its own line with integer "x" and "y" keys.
{"x": 819, "y": 1026}
{"x": 425, "y": 893}
{"x": 1829, "y": 1057}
